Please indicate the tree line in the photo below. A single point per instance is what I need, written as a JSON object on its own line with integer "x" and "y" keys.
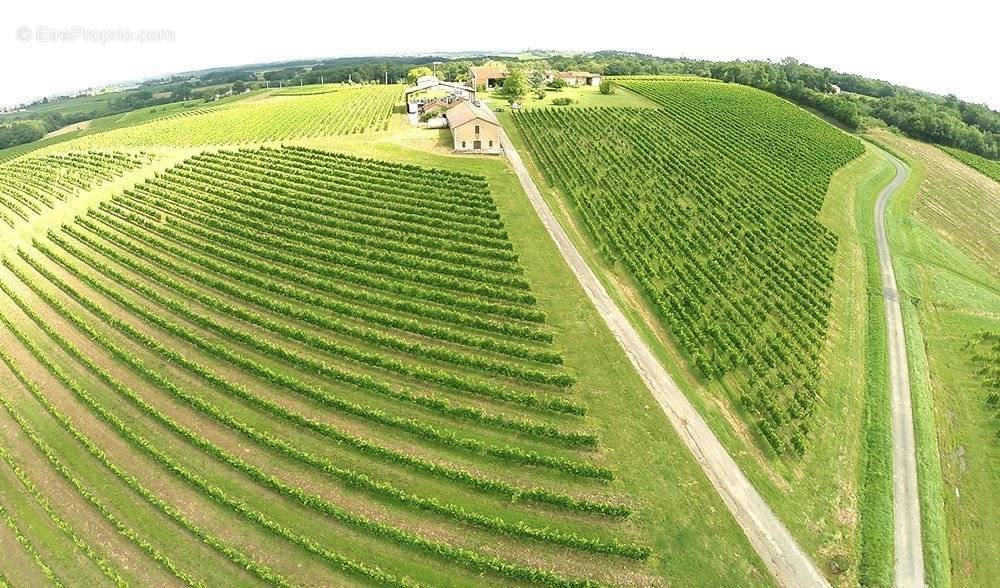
{"x": 852, "y": 100}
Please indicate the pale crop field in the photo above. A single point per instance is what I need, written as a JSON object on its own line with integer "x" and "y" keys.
{"x": 264, "y": 118}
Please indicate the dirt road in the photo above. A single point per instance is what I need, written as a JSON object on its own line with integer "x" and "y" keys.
{"x": 790, "y": 566}
{"x": 909, "y": 554}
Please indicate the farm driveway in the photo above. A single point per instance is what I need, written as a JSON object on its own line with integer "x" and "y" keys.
{"x": 909, "y": 568}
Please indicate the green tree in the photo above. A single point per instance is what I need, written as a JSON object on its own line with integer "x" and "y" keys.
{"x": 418, "y": 72}
{"x": 557, "y": 84}
{"x": 607, "y": 87}
{"x": 182, "y": 92}
{"x": 536, "y": 79}
{"x": 239, "y": 86}
{"x": 516, "y": 86}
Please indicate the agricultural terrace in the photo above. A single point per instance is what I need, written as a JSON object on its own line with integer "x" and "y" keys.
{"x": 288, "y": 366}
{"x": 263, "y": 118}
{"x": 31, "y": 185}
{"x": 710, "y": 203}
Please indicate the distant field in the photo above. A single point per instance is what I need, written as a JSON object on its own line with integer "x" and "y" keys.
{"x": 625, "y": 80}
{"x": 122, "y": 120}
{"x": 988, "y": 167}
{"x": 582, "y": 96}
{"x": 268, "y": 118}
{"x": 310, "y": 90}
{"x": 961, "y": 205}
{"x": 69, "y": 106}
{"x": 33, "y": 184}
{"x": 710, "y": 203}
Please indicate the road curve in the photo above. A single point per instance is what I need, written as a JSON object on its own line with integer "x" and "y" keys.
{"x": 790, "y": 566}
{"x": 909, "y": 552}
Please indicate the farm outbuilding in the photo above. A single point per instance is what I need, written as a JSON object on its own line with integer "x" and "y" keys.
{"x": 474, "y": 129}
{"x": 578, "y": 78}
{"x": 487, "y": 76}
{"x": 452, "y": 92}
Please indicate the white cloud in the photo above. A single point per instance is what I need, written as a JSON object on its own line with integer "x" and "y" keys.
{"x": 950, "y": 48}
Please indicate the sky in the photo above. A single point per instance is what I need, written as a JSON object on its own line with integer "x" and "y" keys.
{"x": 49, "y": 47}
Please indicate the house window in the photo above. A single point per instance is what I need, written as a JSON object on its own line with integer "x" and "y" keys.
{"x": 463, "y": 144}
{"x": 491, "y": 142}
{"x": 477, "y": 129}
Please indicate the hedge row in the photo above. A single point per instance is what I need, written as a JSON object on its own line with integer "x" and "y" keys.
{"x": 335, "y": 251}
{"x": 347, "y": 476}
{"x": 347, "y": 265}
{"x": 331, "y": 188}
{"x": 376, "y": 299}
{"x": 429, "y": 376}
{"x": 393, "y": 287}
{"x": 507, "y": 453}
{"x": 354, "y": 222}
{"x": 440, "y": 332}
{"x": 293, "y": 206}
{"x": 106, "y": 568}
{"x": 28, "y": 547}
{"x": 382, "y": 339}
{"x": 459, "y": 555}
{"x": 351, "y": 227}
{"x": 334, "y": 180}
{"x": 127, "y": 532}
{"x": 213, "y": 492}
{"x": 434, "y": 403}
{"x": 515, "y": 493}
{"x": 329, "y": 235}
{"x": 273, "y": 189}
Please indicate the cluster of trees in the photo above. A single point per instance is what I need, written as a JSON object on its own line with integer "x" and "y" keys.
{"x": 20, "y": 132}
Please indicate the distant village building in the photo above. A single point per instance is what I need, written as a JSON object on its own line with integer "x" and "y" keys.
{"x": 578, "y": 78}
{"x": 474, "y": 129}
{"x": 487, "y": 76}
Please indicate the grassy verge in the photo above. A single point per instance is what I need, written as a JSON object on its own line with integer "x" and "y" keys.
{"x": 948, "y": 296}
{"x": 875, "y": 531}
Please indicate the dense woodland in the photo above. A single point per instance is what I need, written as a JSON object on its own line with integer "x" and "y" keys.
{"x": 861, "y": 101}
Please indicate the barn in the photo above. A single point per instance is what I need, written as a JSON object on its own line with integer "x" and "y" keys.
{"x": 578, "y": 78}
{"x": 487, "y": 76}
{"x": 474, "y": 129}
{"x": 436, "y": 91}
